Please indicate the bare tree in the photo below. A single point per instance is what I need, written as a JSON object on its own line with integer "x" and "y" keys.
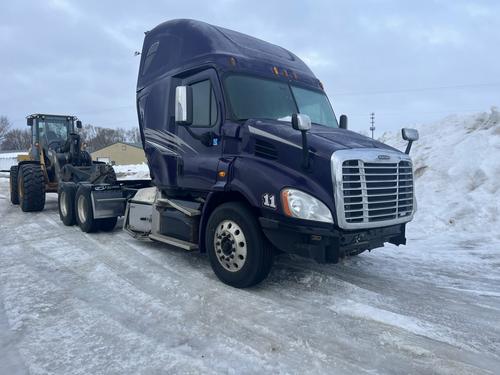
{"x": 4, "y": 127}
{"x": 16, "y": 140}
{"x": 133, "y": 135}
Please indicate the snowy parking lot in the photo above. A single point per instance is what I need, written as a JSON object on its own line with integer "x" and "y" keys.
{"x": 104, "y": 303}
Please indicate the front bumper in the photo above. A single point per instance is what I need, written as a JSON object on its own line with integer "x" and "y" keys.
{"x": 326, "y": 243}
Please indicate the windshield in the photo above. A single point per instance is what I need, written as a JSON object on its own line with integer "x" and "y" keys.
{"x": 53, "y": 130}
{"x": 252, "y": 97}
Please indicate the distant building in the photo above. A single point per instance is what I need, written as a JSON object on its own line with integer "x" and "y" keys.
{"x": 120, "y": 153}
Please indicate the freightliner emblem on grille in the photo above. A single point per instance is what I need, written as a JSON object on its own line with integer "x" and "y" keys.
{"x": 383, "y": 157}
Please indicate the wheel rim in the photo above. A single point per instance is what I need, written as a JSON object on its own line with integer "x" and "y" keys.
{"x": 82, "y": 214}
{"x": 230, "y": 246}
{"x": 64, "y": 204}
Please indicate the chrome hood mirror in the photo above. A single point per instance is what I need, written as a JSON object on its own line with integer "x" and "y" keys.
{"x": 409, "y": 135}
{"x": 301, "y": 122}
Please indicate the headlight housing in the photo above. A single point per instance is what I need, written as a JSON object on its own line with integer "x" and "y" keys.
{"x": 301, "y": 205}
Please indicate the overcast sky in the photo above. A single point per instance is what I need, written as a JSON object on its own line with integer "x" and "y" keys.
{"x": 407, "y": 61}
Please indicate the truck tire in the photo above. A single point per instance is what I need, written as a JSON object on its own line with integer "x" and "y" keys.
{"x": 66, "y": 203}
{"x": 239, "y": 253}
{"x": 14, "y": 193}
{"x": 107, "y": 224}
{"x": 31, "y": 187}
{"x": 84, "y": 211}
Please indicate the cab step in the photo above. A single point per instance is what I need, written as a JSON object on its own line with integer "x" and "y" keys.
{"x": 189, "y": 246}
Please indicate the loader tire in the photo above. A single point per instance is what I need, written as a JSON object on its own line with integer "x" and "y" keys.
{"x": 14, "y": 193}
{"x": 84, "y": 211}
{"x": 66, "y": 203}
{"x": 31, "y": 187}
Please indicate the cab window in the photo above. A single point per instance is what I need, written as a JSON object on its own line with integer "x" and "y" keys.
{"x": 205, "y": 112}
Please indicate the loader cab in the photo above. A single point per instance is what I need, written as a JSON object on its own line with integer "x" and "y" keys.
{"x": 50, "y": 132}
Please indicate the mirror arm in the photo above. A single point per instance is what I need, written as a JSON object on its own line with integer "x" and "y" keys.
{"x": 408, "y": 147}
{"x": 305, "y": 150}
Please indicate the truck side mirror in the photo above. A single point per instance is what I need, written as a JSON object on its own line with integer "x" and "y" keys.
{"x": 29, "y": 121}
{"x": 78, "y": 124}
{"x": 301, "y": 122}
{"x": 183, "y": 105}
{"x": 343, "y": 122}
{"x": 409, "y": 135}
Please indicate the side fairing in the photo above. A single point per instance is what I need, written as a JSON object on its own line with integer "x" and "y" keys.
{"x": 156, "y": 124}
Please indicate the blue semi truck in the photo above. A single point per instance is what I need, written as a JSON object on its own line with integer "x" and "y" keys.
{"x": 247, "y": 158}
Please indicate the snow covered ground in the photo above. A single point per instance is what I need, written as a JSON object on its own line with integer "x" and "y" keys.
{"x": 7, "y": 159}
{"x": 73, "y": 303}
{"x": 132, "y": 172}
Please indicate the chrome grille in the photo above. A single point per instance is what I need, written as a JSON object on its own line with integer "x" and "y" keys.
{"x": 376, "y": 192}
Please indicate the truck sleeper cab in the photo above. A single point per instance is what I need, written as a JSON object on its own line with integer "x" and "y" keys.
{"x": 246, "y": 156}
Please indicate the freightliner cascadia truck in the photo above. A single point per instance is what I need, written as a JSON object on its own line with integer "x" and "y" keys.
{"x": 247, "y": 158}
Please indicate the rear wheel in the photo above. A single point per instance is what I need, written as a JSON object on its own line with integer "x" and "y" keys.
{"x": 31, "y": 187}
{"x": 239, "y": 254}
{"x": 66, "y": 203}
{"x": 84, "y": 212}
{"x": 14, "y": 193}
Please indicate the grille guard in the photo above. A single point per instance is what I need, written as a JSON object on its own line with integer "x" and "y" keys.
{"x": 379, "y": 156}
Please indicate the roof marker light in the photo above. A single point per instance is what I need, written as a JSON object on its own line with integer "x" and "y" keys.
{"x": 275, "y": 70}
{"x": 232, "y": 61}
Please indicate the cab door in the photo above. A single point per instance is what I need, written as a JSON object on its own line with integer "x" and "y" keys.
{"x": 201, "y": 141}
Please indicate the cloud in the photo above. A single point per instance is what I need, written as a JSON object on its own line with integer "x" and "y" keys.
{"x": 315, "y": 59}
{"x": 77, "y": 57}
{"x": 438, "y": 35}
{"x": 65, "y": 7}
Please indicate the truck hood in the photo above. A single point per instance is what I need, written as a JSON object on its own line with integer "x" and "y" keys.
{"x": 322, "y": 140}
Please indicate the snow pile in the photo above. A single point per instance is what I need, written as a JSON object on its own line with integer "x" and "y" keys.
{"x": 132, "y": 172}
{"x": 457, "y": 169}
{"x": 8, "y": 159}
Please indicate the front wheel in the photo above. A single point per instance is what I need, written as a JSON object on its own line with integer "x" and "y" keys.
{"x": 31, "y": 187}
{"x": 239, "y": 254}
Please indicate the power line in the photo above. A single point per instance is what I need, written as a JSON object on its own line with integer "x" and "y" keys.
{"x": 397, "y": 113}
{"x": 416, "y": 89}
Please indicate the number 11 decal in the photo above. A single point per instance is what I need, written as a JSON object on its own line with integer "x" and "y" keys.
{"x": 269, "y": 200}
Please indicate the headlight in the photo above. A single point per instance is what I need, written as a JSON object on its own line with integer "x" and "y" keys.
{"x": 301, "y": 205}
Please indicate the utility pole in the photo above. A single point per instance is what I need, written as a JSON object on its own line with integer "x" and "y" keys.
{"x": 372, "y": 120}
